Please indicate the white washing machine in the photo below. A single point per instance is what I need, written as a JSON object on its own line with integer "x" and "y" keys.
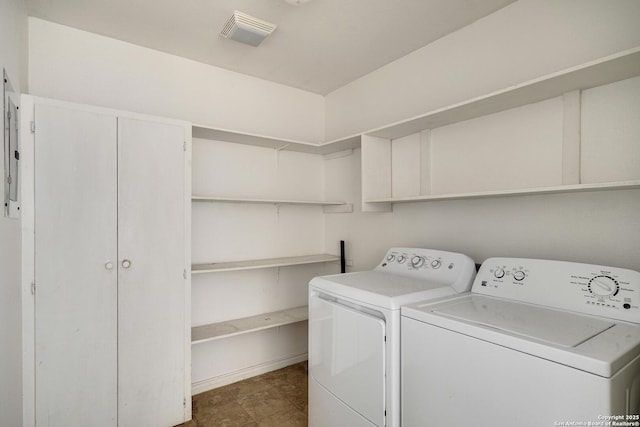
{"x": 535, "y": 343}
{"x": 354, "y": 333}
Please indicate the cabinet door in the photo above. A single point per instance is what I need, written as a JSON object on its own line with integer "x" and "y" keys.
{"x": 151, "y": 289}
{"x": 76, "y": 291}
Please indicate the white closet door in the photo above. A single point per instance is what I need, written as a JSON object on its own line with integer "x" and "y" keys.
{"x": 151, "y": 296}
{"x": 76, "y": 291}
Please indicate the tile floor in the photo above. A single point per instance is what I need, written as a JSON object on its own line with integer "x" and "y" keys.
{"x": 274, "y": 399}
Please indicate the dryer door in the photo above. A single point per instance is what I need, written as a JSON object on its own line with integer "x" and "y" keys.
{"x": 347, "y": 355}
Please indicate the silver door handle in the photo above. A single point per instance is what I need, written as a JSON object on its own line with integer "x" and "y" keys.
{"x": 126, "y": 263}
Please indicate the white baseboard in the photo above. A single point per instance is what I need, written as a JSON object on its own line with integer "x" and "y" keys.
{"x": 251, "y": 371}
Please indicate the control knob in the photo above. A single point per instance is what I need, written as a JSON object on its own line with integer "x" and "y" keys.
{"x": 499, "y": 273}
{"x": 519, "y": 275}
{"x": 391, "y": 257}
{"x": 417, "y": 261}
{"x": 603, "y": 286}
{"x": 436, "y": 263}
{"x": 402, "y": 259}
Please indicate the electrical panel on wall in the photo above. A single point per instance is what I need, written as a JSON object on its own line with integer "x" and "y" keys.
{"x": 11, "y": 149}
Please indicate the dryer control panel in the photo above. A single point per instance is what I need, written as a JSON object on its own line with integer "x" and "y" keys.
{"x": 430, "y": 264}
{"x": 585, "y": 288}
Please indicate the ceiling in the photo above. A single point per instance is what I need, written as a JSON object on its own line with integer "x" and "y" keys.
{"x": 318, "y": 46}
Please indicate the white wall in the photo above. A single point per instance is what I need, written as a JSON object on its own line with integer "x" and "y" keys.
{"x": 13, "y": 57}
{"x": 610, "y": 132}
{"x": 595, "y": 227}
{"x": 74, "y": 65}
{"x": 517, "y": 148}
{"x": 525, "y": 40}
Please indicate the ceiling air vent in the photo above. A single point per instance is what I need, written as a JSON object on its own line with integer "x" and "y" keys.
{"x": 244, "y": 28}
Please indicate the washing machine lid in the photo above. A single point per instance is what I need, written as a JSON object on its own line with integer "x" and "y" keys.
{"x": 385, "y": 290}
{"x": 528, "y": 321}
{"x": 597, "y": 345}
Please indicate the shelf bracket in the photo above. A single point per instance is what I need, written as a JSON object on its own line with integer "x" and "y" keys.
{"x": 278, "y": 149}
{"x": 278, "y": 206}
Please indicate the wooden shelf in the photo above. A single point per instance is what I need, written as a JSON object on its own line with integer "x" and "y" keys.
{"x": 265, "y": 201}
{"x": 620, "y": 66}
{"x": 327, "y": 206}
{"x": 205, "y": 132}
{"x": 215, "y": 331}
{"x": 622, "y": 185}
{"x": 218, "y": 267}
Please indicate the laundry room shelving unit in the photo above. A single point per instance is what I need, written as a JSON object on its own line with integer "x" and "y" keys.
{"x": 246, "y": 284}
{"x": 393, "y": 172}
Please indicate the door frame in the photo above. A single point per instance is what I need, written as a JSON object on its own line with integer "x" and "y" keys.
{"x": 27, "y": 179}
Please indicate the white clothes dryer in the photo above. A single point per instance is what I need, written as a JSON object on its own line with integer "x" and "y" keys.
{"x": 354, "y": 333}
{"x": 535, "y": 343}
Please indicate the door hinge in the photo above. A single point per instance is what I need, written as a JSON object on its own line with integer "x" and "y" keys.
{"x": 184, "y": 145}
{"x": 33, "y": 288}
{"x": 184, "y": 273}
{"x": 184, "y": 402}
{"x": 33, "y": 126}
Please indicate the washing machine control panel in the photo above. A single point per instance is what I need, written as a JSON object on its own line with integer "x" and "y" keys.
{"x": 428, "y": 264}
{"x": 592, "y": 289}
